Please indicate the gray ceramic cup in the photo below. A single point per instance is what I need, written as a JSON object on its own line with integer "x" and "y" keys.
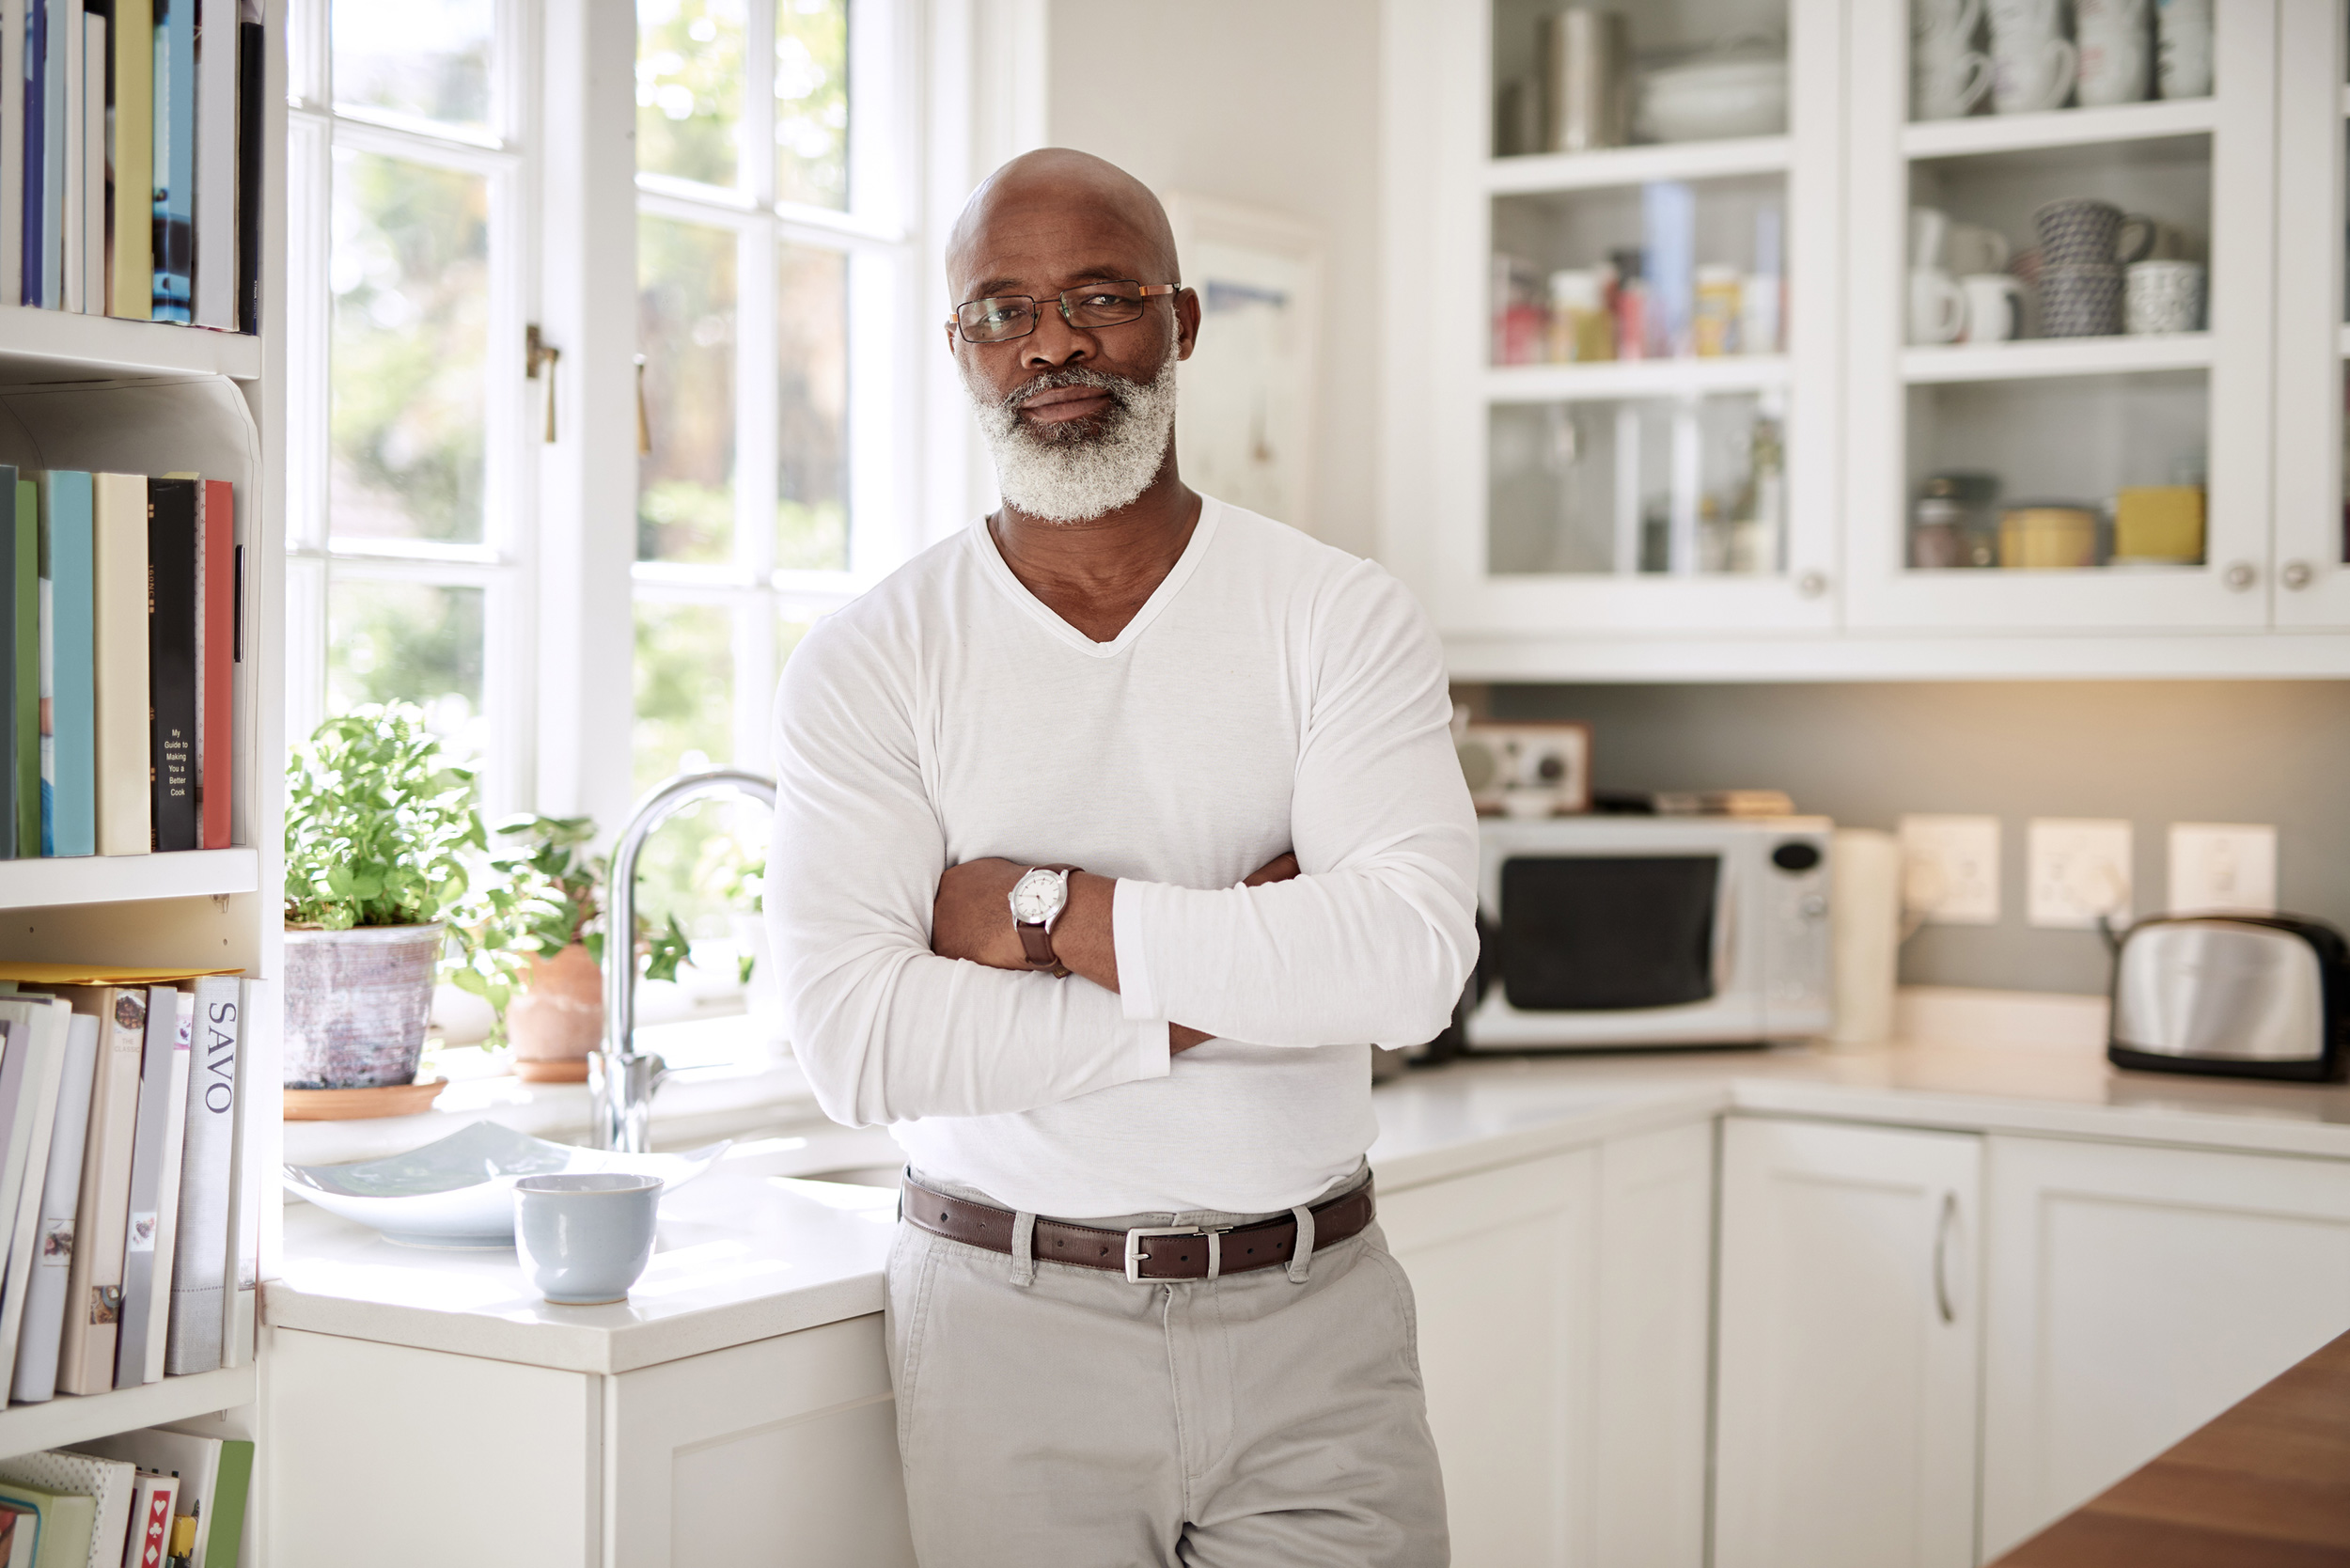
{"x": 584, "y": 1239}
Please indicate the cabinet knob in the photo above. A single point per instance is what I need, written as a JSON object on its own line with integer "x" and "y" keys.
{"x": 2239, "y": 577}
{"x": 2296, "y": 575}
{"x": 1811, "y": 584}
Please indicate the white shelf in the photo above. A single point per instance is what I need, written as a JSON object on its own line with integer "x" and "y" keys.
{"x": 1634, "y": 378}
{"x": 118, "y": 878}
{"x": 1535, "y": 173}
{"x": 44, "y": 345}
{"x": 2040, "y": 357}
{"x": 71, "y": 1418}
{"x": 2125, "y": 122}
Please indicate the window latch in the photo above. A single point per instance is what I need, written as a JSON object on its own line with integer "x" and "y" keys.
{"x": 539, "y": 356}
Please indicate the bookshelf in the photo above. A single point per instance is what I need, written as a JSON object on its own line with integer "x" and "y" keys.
{"x": 151, "y": 397}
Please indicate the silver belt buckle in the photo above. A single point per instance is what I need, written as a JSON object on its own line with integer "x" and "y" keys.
{"x": 1135, "y": 1255}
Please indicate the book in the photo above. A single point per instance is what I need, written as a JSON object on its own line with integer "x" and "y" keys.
{"x": 93, "y": 167}
{"x": 36, "y": 164}
{"x": 23, "y": 548}
{"x": 153, "y": 1496}
{"x": 85, "y": 1356}
{"x": 67, "y": 36}
{"x": 171, "y": 608}
{"x": 11, "y": 155}
{"x": 131, "y": 41}
{"x": 49, "y": 62}
{"x": 243, "y": 1271}
{"x": 200, "y": 1253}
{"x": 42, "y": 1323}
{"x": 215, "y": 1473}
{"x": 215, "y": 658}
{"x": 69, "y": 1522}
{"x": 7, "y": 662}
{"x": 217, "y": 51}
{"x": 108, "y": 1483}
{"x": 161, "y": 1125}
{"x": 251, "y": 78}
{"x": 174, "y": 160}
{"x": 20, "y": 1535}
{"x": 45, "y": 684}
{"x": 119, "y": 640}
{"x": 72, "y": 709}
{"x": 31, "y": 1077}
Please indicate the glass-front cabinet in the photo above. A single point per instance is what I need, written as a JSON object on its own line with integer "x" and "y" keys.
{"x": 2312, "y": 436}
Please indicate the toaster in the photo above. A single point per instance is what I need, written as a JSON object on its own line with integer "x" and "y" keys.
{"x": 2247, "y": 996}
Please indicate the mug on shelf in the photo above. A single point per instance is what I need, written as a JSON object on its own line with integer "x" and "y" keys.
{"x": 2116, "y": 38}
{"x": 1938, "y": 309}
{"x": 1995, "y": 306}
{"x": 2080, "y": 302}
{"x": 2162, "y": 296}
{"x": 1949, "y": 77}
{"x": 2183, "y": 48}
{"x": 1929, "y": 231}
{"x": 2078, "y": 231}
{"x": 2144, "y": 239}
{"x": 2032, "y": 62}
{"x": 1970, "y": 247}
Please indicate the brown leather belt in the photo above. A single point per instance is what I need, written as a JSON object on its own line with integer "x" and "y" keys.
{"x": 1147, "y": 1252}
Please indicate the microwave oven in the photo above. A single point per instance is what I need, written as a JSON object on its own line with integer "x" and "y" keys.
{"x": 1607, "y": 932}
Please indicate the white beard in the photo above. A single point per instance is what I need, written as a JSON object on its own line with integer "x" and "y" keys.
{"x": 1067, "y": 474}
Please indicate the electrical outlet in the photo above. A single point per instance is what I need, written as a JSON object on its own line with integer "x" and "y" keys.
{"x": 1951, "y": 870}
{"x": 2217, "y": 866}
{"x": 2078, "y": 869}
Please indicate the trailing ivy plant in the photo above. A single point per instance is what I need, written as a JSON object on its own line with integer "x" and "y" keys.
{"x": 377, "y": 823}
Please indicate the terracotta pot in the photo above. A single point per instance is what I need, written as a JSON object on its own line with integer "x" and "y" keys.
{"x": 357, "y": 1002}
{"x": 557, "y": 1018}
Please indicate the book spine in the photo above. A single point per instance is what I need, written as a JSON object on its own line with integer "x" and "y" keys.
{"x": 73, "y": 803}
{"x": 7, "y": 662}
{"x": 171, "y": 610}
{"x": 24, "y": 634}
{"x": 44, "y": 1323}
{"x": 35, "y": 162}
{"x": 252, "y": 75}
{"x": 36, "y": 1119}
{"x": 45, "y": 608}
{"x": 131, "y": 39}
{"x": 52, "y": 122}
{"x": 66, "y": 27}
{"x": 12, "y": 22}
{"x": 153, "y": 1515}
{"x": 146, "y": 1163}
{"x": 200, "y": 1259}
{"x": 174, "y": 160}
{"x": 216, "y": 53}
{"x": 93, "y": 170}
{"x": 216, "y": 726}
{"x": 119, "y": 640}
{"x": 85, "y": 1362}
{"x": 167, "y": 1194}
{"x": 243, "y": 1270}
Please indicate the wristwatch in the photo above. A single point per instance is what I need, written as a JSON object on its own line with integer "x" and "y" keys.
{"x": 1037, "y": 900}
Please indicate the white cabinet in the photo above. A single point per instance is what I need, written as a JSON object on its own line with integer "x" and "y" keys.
{"x": 2312, "y": 582}
{"x": 1563, "y": 1309}
{"x": 2131, "y": 1295}
{"x": 1846, "y": 1382}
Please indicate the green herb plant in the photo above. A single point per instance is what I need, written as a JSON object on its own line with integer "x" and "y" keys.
{"x": 377, "y": 823}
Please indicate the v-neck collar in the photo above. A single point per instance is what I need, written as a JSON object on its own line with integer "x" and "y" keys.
{"x": 1001, "y": 572}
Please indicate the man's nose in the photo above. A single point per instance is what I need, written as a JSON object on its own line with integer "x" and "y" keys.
{"x": 1055, "y": 343}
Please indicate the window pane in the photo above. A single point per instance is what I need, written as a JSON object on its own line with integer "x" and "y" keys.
{"x": 686, "y": 327}
{"x": 812, "y": 101}
{"x": 408, "y": 642}
{"x": 813, "y": 367}
{"x": 689, "y": 88}
{"x": 410, "y": 272}
{"x": 430, "y": 59}
{"x": 685, "y": 689}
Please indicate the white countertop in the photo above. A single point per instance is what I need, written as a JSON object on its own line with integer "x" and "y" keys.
{"x": 752, "y": 1250}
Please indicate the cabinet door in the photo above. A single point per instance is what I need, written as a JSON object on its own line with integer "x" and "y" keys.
{"x": 2312, "y": 373}
{"x": 1847, "y": 1364}
{"x": 2132, "y": 1294}
{"x": 784, "y": 1450}
{"x": 1499, "y": 1263}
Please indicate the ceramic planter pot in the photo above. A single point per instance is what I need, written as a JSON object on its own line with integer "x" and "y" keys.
{"x": 357, "y": 1002}
{"x": 557, "y": 1018}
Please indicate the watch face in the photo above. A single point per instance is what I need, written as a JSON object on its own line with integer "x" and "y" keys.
{"x": 1036, "y": 897}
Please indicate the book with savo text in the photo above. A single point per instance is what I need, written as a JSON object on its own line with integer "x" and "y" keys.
{"x": 31, "y": 1077}
{"x": 215, "y": 659}
{"x": 42, "y": 1327}
{"x": 171, "y": 645}
{"x": 200, "y": 1253}
{"x": 69, "y": 1520}
{"x": 131, "y": 41}
{"x": 217, "y": 45}
{"x": 72, "y": 700}
{"x": 162, "y": 1122}
{"x": 242, "y": 1273}
{"x": 174, "y": 160}
{"x": 11, "y": 155}
{"x": 118, "y": 640}
{"x": 24, "y": 669}
{"x": 85, "y": 1356}
{"x": 107, "y": 1482}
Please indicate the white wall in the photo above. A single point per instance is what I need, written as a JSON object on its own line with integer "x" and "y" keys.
{"x": 1270, "y": 102}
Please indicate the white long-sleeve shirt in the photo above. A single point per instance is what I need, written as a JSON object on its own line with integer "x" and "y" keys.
{"x": 1273, "y": 694}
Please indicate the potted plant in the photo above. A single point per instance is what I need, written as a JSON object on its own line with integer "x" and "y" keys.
{"x": 553, "y": 1002}
{"x": 378, "y": 822}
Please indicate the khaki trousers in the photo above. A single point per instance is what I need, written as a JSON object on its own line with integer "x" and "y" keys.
{"x": 1081, "y": 1421}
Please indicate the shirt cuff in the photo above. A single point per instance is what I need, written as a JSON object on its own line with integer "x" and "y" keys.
{"x": 1137, "y": 994}
{"x": 1148, "y": 1043}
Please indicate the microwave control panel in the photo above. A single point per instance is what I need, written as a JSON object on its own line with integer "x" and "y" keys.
{"x": 1797, "y": 956}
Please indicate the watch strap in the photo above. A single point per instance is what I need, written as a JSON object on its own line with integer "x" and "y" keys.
{"x": 1036, "y": 938}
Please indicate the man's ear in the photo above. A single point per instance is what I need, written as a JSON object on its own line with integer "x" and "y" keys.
{"x": 1186, "y": 322}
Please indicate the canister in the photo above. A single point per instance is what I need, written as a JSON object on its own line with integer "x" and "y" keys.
{"x": 1586, "y": 81}
{"x": 2047, "y": 537}
{"x": 2159, "y": 523}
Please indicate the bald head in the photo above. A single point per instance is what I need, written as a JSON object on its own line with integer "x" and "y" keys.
{"x": 1063, "y": 208}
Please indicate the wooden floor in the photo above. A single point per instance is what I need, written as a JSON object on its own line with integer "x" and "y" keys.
{"x": 2266, "y": 1485}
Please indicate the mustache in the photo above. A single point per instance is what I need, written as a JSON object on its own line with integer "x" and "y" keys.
{"x": 1119, "y": 388}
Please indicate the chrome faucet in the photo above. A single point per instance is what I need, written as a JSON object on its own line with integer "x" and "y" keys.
{"x": 620, "y": 1078}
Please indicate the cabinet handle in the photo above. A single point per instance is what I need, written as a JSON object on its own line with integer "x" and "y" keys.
{"x": 1811, "y": 584}
{"x": 2239, "y": 577}
{"x": 2296, "y": 575}
{"x": 1942, "y": 1232}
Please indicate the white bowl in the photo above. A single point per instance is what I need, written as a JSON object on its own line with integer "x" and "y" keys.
{"x": 458, "y": 1192}
{"x": 1707, "y": 99}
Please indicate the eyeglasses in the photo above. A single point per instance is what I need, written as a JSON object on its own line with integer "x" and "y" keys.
{"x": 1096, "y": 305}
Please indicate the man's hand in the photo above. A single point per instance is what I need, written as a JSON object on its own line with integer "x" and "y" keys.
{"x": 971, "y": 918}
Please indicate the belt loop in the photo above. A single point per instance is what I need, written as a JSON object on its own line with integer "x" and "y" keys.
{"x": 1023, "y": 1250}
{"x": 1304, "y": 1254}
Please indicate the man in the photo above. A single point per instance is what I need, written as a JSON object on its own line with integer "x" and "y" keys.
{"x": 1106, "y": 832}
